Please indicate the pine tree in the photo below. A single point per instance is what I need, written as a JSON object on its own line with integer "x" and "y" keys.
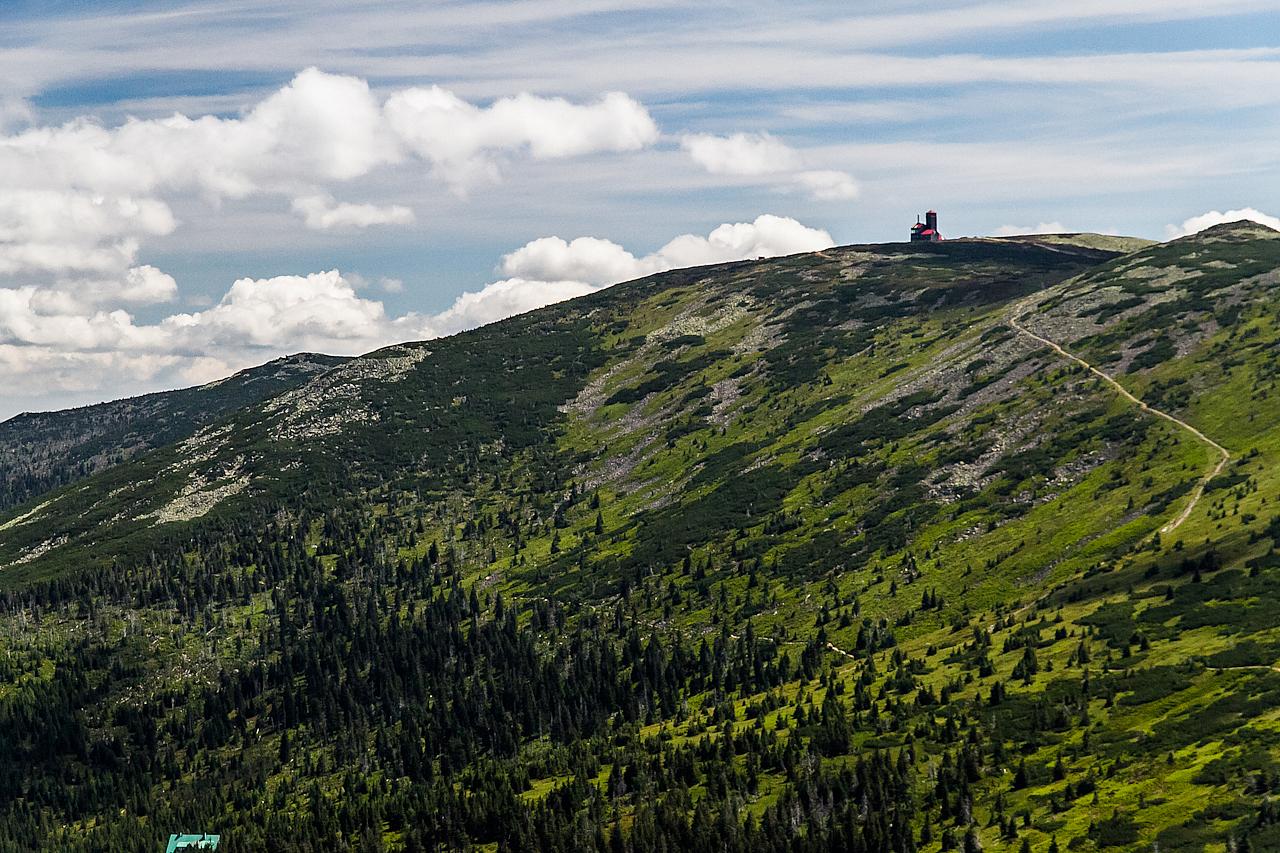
{"x": 1020, "y": 776}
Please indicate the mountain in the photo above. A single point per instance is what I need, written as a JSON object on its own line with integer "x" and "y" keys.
{"x": 39, "y": 452}
{"x": 963, "y": 545}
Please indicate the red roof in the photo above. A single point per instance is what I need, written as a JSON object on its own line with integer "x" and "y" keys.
{"x": 927, "y": 232}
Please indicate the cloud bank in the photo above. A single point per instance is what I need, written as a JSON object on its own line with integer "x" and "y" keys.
{"x": 83, "y": 197}
{"x": 596, "y": 261}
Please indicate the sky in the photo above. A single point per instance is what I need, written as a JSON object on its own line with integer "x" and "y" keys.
{"x": 191, "y": 188}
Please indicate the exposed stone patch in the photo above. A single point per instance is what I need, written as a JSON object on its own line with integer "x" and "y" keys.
{"x": 200, "y": 448}
{"x": 663, "y": 493}
{"x": 595, "y": 392}
{"x": 1163, "y": 276}
{"x": 945, "y": 371}
{"x": 1061, "y": 321}
{"x": 26, "y": 517}
{"x": 616, "y": 468}
{"x": 201, "y": 494}
{"x": 1001, "y": 387}
{"x": 636, "y": 420}
{"x": 689, "y": 322}
{"x": 760, "y": 338}
{"x": 342, "y": 392}
{"x": 1070, "y": 473}
{"x": 950, "y": 482}
{"x": 724, "y": 395}
{"x": 769, "y": 333}
{"x": 38, "y": 551}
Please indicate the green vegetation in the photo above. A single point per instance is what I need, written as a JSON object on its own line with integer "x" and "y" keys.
{"x": 815, "y": 553}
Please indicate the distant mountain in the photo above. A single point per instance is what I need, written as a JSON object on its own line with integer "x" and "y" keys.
{"x": 1105, "y": 242}
{"x": 39, "y": 452}
{"x": 903, "y": 547}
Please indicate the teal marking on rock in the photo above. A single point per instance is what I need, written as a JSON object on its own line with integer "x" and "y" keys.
{"x": 192, "y": 842}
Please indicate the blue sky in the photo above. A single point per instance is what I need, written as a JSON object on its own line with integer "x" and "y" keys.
{"x": 842, "y": 120}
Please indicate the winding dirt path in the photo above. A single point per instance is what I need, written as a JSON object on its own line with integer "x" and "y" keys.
{"x": 1224, "y": 455}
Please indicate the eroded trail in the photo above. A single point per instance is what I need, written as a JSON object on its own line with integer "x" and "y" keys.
{"x": 1224, "y": 455}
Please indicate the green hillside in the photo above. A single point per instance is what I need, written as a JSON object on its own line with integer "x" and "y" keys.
{"x": 906, "y": 547}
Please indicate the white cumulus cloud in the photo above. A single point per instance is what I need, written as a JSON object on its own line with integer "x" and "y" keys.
{"x": 740, "y": 153}
{"x": 144, "y": 285}
{"x": 319, "y": 127}
{"x": 828, "y": 185}
{"x": 767, "y": 236}
{"x": 589, "y": 259}
{"x": 63, "y": 230}
{"x": 762, "y": 155}
{"x": 320, "y": 311}
{"x": 1215, "y": 217}
{"x": 321, "y": 213}
{"x": 32, "y": 316}
{"x": 465, "y": 143}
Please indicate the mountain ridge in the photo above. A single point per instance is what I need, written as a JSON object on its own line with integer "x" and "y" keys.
{"x": 392, "y": 363}
{"x": 39, "y": 449}
{"x": 884, "y": 547}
